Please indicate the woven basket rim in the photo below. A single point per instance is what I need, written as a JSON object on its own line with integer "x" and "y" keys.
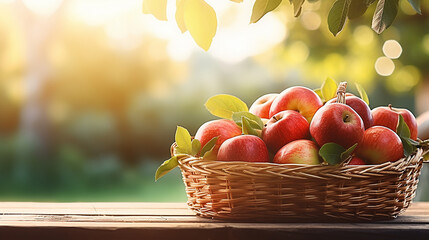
{"x": 397, "y": 165}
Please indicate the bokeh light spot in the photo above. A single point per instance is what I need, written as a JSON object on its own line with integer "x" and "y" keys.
{"x": 384, "y": 66}
{"x": 311, "y": 20}
{"x": 404, "y": 79}
{"x": 392, "y": 49}
{"x": 42, "y": 7}
{"x": 363, "y": 35}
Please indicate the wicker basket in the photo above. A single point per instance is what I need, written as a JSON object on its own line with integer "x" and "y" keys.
{"x": 262, "y": 191}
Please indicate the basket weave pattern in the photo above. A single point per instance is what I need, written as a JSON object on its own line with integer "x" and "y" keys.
{"x": 258, "y": 191}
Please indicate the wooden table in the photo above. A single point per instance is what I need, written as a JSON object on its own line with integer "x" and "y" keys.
{"x": 22, "y": 220}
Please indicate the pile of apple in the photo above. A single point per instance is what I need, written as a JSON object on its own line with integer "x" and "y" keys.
{"x": 300, "y": 126}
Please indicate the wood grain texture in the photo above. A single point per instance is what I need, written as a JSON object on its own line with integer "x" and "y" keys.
{"x": 175, "y": 221}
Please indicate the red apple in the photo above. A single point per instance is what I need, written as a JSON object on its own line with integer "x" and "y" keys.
{"x": 337, "y": 123}
{"x": 222, "y": 128}
{"x": 357, "y": 161}
{"x": 261, "y": 107}
{"x": 300, "y": 99}
{"x": 379, "y": 145}
{"x": 285, "y": 127}
{"x": 389, "y": 117}
{"x": 246, "y": 148}
{"x": 298, "y": 152}
{"x": 360, "y": 107}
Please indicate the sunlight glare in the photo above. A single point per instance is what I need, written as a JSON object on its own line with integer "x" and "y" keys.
{"x": 98, "y": 12}
{"x": 239, "y": 40}
{"x": 42, "y": 7}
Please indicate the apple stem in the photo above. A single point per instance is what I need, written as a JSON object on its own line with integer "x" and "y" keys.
{"x": 341, "y": 92}
{"x": 274, "y": 117}
{"x": 390, "y": 106}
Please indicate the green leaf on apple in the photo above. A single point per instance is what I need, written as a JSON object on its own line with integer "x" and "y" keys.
{"x": 344, "y": 155}
{"x": 255, "y": 120}
{"x": 250, "y": 127}
{"x": 196, "y": 146}
{"x": 334, "y": 153}
{"x": 224, "y": 105}
{"x": 362, "y": 93}
{"x": 183, "y": 141}
{"x": 329, "y": 89}
{"x": 416, "y": 143}
{"x": 208, "y": 147}
{"x": 402, "y": 129}
{"x": 404, "y": 133}
{"x": 331, "y": 153}
{"x": 166, "y": 167}
{"x": 409, "y": 148}
{"x": 318, "y": 91}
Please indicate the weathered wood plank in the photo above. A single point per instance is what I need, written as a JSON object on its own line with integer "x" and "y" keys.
{"x": 175, "y": 221}
{"x": 85, "y": 220}
{"x": 135, "y": 209}
{"x": 95, "y": 208}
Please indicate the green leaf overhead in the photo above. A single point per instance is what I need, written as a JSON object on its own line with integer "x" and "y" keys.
{"x": 201, "y": 21}
{"x": 338, "y": 15}
{"x": 385, "y": 13}
{"x": 357, "y": 8}
{"x": 224, "y": 105}
{"x": 329, "y": 89}
{"x": 262, "y": 7}
{"x": 183, "y": 141}
{"x": 416, "y": 5}
{"x": 362, "y": 93}
{"x": 166, "y": 167}
{"x": 180, "y": 12}
{"x": 158, "y": 8}
{"x": 297, "y": 6}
